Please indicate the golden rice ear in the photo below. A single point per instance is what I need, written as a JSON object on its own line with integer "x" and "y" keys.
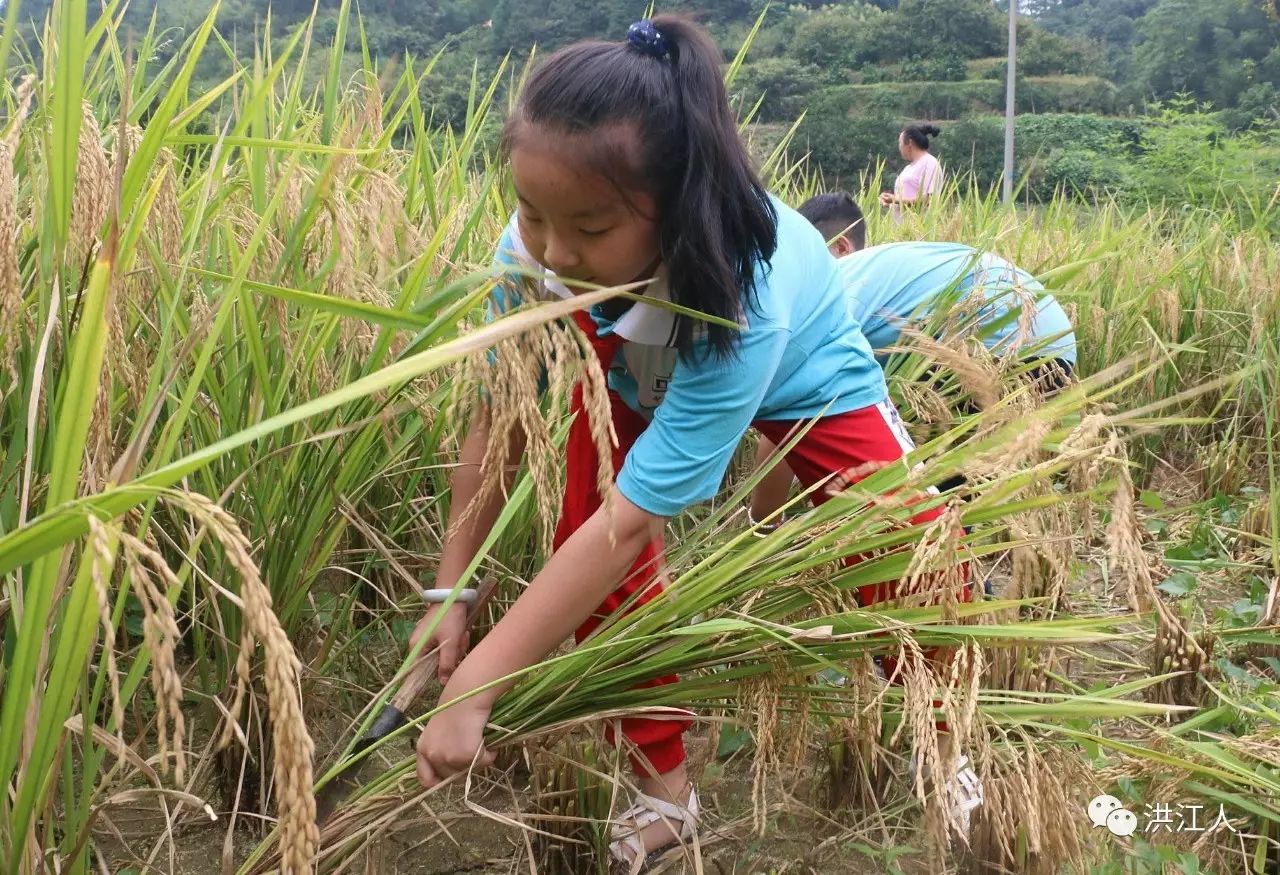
{"x": 160, "y": 631}
{"x": 937, "y": 573}
{"x": 10, "y": 279}
{"x": 760, "y": 699}
{"x": 858, "y": 766}
{"x": 91, "y": 197}
{"x": 1041, "y": 563}
{"x": 976, "y": 373}
{"x": 1029, "y": 819}
{"x": 291, "y": 742}
{"x": 505, "y": 390}
{"x": 103, "y": 564}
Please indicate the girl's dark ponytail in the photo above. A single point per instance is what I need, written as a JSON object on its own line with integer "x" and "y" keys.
{"x": 650, "y": 113}
{"x": 727, "y": 224}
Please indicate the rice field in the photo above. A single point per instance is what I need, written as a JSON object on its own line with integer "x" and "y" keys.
{"x": 234, "y": 371}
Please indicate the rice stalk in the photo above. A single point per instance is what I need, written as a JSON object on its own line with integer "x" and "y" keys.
{"x": 1027, "y": 822}
{"x": 291, "y": 742}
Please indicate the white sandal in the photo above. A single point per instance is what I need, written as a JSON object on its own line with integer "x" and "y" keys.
{"x": 968, "y": 791}
{"x": 648, "y": 810}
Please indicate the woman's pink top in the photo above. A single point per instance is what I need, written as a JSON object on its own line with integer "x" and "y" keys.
{"x": 922, "y": 176}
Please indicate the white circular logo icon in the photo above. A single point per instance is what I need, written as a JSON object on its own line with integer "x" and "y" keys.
{"x": 1101, "y": 807}
{"x": 1122, "y": 823}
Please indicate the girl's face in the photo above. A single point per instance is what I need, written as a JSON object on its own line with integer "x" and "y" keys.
{"x": 905, "y": 147}
{"x": 578, "y": 224}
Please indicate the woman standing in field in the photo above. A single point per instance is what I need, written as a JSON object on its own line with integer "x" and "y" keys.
{"x": 628, "y": 168}
{"x": 922, "y": 177}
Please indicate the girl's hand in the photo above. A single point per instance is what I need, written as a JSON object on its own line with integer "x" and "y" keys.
{"x": 886, "y": 198}
{"x": 450, "y": 636}
{"x": 453, "y": 740}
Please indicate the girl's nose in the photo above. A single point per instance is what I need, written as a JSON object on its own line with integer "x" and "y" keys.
{"x": 558, "y": 256}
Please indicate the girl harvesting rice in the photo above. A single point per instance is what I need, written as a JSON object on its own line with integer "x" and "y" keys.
{"x": 628, "y": 167}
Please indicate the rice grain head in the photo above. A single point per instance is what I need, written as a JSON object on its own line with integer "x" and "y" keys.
{"x": 759, "y": 699}
{"x": 91, "y": 195}
{"x": 10, "y": 279}
{"x": 102, "y": 565}
{"x": 936, "y": 574}
{"x": 857, "y": 764}
{"x": 976, "y": 372}
{"x": 507, "y": 388}
{"x": 291, "y": 742}
{"x": 1023, "y": 824}
{"x": 160, "y": 631}
{"x": 1018, "y": 454}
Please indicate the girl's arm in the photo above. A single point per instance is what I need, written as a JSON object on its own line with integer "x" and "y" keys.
{"x": 463, "y": 537}
{"x": 579, "y": 575}
{"x": 573, "y": 583}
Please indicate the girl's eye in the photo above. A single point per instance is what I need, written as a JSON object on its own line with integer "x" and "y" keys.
{"x": 595, "y": 232}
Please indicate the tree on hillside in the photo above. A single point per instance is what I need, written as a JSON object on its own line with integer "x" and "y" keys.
{"x": 1113, "y": 23}
{"x": 969, "y": 28}
{"x": 1213, "y": 49}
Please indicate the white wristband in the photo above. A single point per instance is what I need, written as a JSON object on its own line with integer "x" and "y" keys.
{"x": 439, "y": 596}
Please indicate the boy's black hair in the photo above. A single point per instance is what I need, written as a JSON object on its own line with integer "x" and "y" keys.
{"x": 837, "y": 213}
{"x": 658, "y": 120}
{"x": 920, "y": 134}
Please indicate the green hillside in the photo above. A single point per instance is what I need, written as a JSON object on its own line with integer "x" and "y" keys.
{"x": 858, "y": 70}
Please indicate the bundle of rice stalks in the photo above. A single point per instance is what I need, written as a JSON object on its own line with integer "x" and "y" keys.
{"x": 572, "y": 795}
{"x": 1183, "y": 659}
{"x": 1029, "y": 822}
{"x": 1032, "y": 669}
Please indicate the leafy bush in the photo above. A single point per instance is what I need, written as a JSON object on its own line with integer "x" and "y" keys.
{"x": 1259, "y": 107}
{"x": 953, "y": 100}
{"x": 971, "y": 28}
{"x": 973, "y": 144}
{"x": 839, "y": 38}
{"x": 1100, "y": 134}
{"x": 1044, "y": 53}
{"x": 1077, "y": 94}
{"x": 1187, "y": 156}
{"x": 1076, "y": 171}
{"x": 945, "y": 67}
{"x": 844, "y": 146}
{"x": 785, "y": 85}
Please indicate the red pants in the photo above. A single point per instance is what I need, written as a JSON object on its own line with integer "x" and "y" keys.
{"x": 850, "y": 444}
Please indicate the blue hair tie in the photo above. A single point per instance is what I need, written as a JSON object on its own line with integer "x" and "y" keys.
{"x": 645, "y": 38}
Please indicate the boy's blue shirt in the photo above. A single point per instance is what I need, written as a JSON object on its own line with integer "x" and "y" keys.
{"x": 897, "y": 283}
